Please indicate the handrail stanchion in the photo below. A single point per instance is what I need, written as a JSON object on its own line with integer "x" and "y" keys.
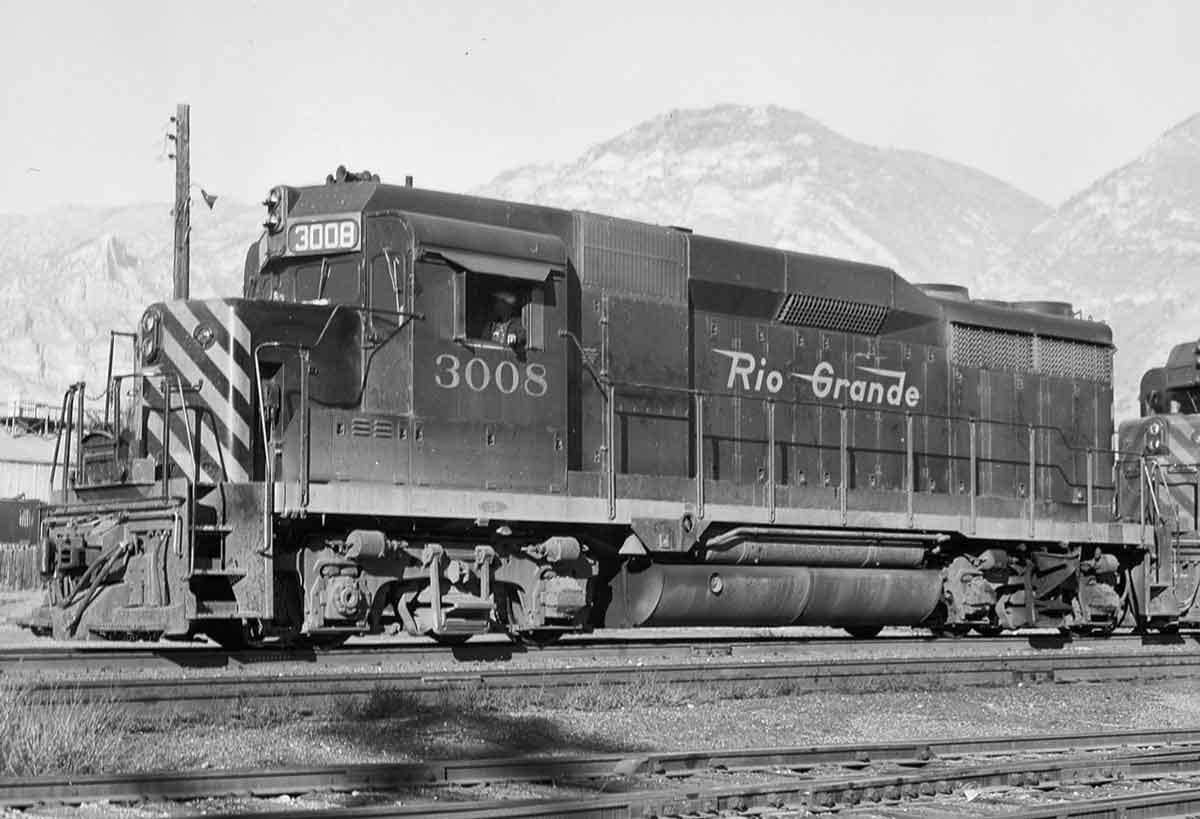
{"x": 1032, "y": 478}
{"x": 974, "y": 466}
{"x": 1091, "y": 485}
{"x": 843, "y": 465}
{"x": 610, "y": 444}
{"x": 66, "y": 435}
{"x": 699, "y": 443}
{"x": 1142, "y": 498}
{"x": 79, "y": 477}
{"x": 771, "y": 460}
{"x": 304, "y": 431}
{"x": 166, "y": 437}
{"x": 909, "y": 467}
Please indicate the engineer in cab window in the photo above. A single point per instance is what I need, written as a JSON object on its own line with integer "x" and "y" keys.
{"x": 505, "y": 326}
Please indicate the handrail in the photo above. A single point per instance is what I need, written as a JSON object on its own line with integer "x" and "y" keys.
{"x": 610, "y": 437}
{"x": 910, "y": 469}
{"x": 1149, "y": 468}
{"x": 971, "y": 421}
{"x": 771, "y": 461}
{"x": 1032, "y": 481}
{"x": 843, "y": 464}
{"x": 699, "y": 444}
{"x": 1047, "y": 473}
{"x": 166, "y": 437}
{"x": 303, "y": 353}
{"x": 638, "y": 385}
{"x": 64, "y": 416}
{"x": 974, "y": 467}
{"x": 113, "y": 335}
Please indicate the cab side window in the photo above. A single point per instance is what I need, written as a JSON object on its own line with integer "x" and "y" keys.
{"x": 500, "y": 310}
{"x": 341, "y": 285}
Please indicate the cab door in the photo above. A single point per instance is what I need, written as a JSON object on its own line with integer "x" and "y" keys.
{"x": 372, "y": 441}
{"x": 489, "y": 385}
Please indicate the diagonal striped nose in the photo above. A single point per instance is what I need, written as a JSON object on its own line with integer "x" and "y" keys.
{"x": 206, "y": 348}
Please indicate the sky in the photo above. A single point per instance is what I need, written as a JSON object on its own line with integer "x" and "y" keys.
{"x": 1048, "y": 96}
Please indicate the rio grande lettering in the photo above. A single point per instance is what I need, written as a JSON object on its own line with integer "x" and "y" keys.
{"x": 888, "y": 387}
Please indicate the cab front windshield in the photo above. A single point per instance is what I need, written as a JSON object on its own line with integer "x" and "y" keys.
{"x": 1177, "y": 402}
{"x": 330, "y": 280}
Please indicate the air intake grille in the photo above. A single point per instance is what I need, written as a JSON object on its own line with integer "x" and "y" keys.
{"x": 1071, "y": 359}
{"x": 832, "y": 314}
{"x": 992, "y": 349}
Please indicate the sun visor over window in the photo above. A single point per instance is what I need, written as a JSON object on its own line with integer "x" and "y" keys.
{"x": 528, "y": 269}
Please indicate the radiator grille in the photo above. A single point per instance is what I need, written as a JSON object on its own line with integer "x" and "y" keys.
{"x": 828, "y": 313}
{"x": 990, "y": 349}
{"x": 360, "y": 427}
{"x": 1071, "y": 359}
{"x": 383, "y": 428}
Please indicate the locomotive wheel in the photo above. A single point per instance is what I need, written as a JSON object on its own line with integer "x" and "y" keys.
{"x": 538, "y": 637}
{"x": 863, "y": 632}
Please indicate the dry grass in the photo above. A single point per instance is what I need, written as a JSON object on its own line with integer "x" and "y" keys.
{"x": 646, "y": 691}
{"x": 73, "y": 735}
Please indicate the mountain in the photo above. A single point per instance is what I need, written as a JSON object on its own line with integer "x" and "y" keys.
{"x": 70, "y": 276}
{"x": 778, "y": 177}
{"x": 1126, "y": 250}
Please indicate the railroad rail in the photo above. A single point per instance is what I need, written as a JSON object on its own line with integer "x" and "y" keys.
{"x": 173, "y": 657}
{"x": 918, "y": 769}
{"x": 204, "y": 692}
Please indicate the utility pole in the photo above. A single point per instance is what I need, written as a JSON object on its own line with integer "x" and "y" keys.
{"x": 183, "y": 202}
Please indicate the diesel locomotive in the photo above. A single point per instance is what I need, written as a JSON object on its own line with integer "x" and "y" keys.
{"x": 1160, "y": 454}
{"x": 451, "y": 415}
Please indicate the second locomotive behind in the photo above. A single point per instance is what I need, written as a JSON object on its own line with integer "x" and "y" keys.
{"x": 457, "y": 414}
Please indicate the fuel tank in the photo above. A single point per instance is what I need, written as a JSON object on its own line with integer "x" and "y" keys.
{"x": 691, "y": 595}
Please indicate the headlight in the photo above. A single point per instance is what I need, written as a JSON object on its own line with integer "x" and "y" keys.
{"x": 149, "y": 343}
{"x": 1155, "y": 438}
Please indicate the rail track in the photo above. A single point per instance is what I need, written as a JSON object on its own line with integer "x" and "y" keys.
{"x": 169, "y": 657}
{"x": 207, "y": 692}
{"x": 808, "y": 777}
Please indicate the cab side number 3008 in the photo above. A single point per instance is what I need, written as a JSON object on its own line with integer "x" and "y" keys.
{"x": 477, "y": 374}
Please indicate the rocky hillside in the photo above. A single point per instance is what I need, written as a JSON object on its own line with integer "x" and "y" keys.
{"x": 778, "y": 177}
{"x": 1126, "y": 250}
{"x": 68, "y": 277}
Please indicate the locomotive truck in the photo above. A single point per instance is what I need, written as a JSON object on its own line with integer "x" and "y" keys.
{"x": 452, "y": 415}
